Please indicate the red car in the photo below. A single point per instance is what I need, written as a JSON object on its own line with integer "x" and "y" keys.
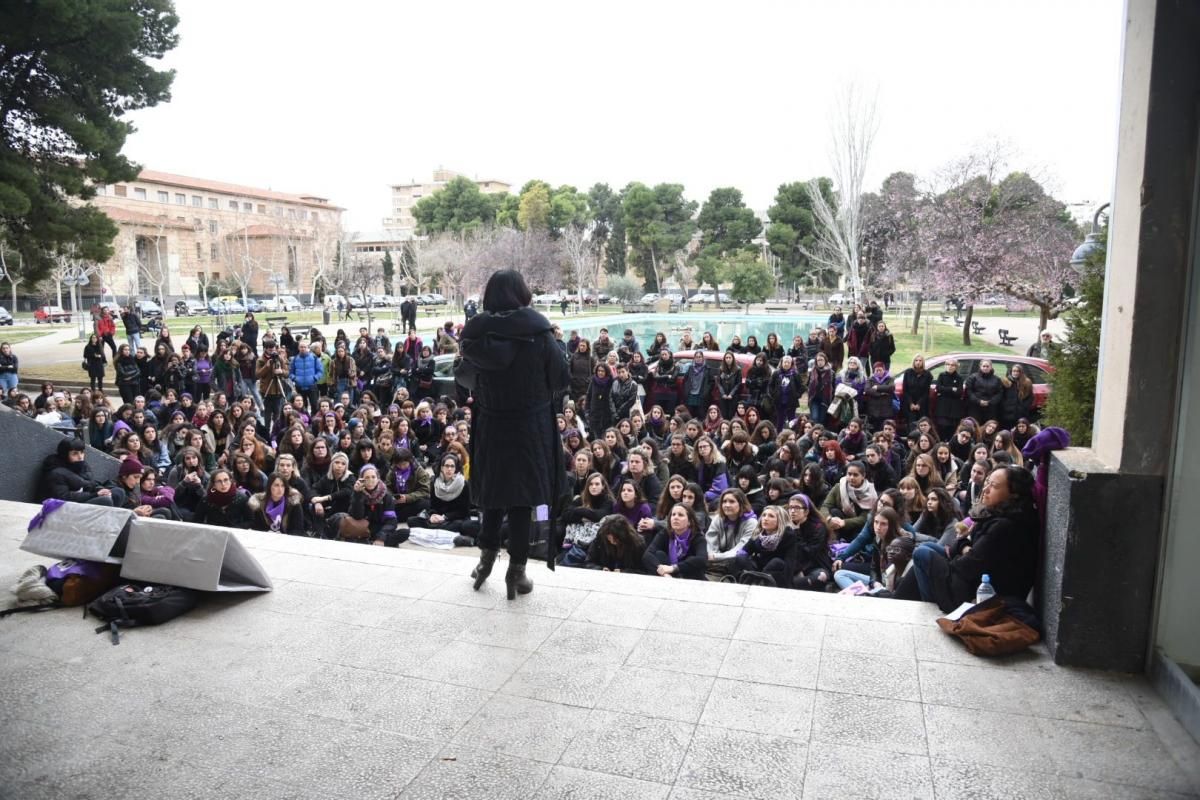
{"x": 51, "y": 314}
{"x": 1038, "y": 370}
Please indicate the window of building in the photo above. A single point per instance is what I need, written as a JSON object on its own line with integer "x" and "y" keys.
{"x": 212, "y": 252}
{"x": 212, "y": 202}
{"x": 199, "y": 252}
{"x": 262, "y": 209}
{"x": 140, "y": 194}
{"x": 233, "y": 205}
{"x": 164, "y": 197}
{"x": 180, "y": 199}
{"x": 119, "y": 190}
{"x": 197, "y": 201}
{"x": 214, "y": 276}
{"x": 101, "y": 190}
{"x": 198, "y": 223}
{"x": 291, "y": 213}
{"x": 247, "y": 207}
{"x": 212, "y": 226}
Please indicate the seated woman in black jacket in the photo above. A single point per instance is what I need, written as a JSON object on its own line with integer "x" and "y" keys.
{"x": 771, "y": 549}
{"x": 223, "y": 504}
{"x": 680, "y": 551}
{"x": 449, "y": 504}
{"x": 1003, "y": 544}
{"x": 278, "y": 509}
{"x": 617, "y": 546}
{"x": 813, "y": 567}
{"x": 582, "y": 519}
{"x": 331, "y": 494}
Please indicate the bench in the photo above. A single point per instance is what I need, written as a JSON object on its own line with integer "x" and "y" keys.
{"x": 637, "y": 308}
{"x": 775, "y": 309}
{"x": 1005, "y": 339}
{"x": 977, "y": 328}
{"x": 277, "y": 320}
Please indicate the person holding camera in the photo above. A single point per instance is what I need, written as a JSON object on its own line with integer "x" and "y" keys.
{"x": 271, "y": 369}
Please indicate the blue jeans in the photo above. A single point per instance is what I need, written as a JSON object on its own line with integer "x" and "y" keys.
{"x": 817, "y": 410}
{"x": 922, "y": 558}
{"x": 844, "y": 578}
{"x": 8, "y": 382}
{"x": 135, "y": 341}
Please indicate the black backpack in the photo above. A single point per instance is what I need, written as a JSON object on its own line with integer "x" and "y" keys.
{"x": 131, "y": 605}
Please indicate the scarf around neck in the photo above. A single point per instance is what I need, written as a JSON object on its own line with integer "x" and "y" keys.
{"x": 678, "y": 547}
{"x": 275, "y": 511}
{"x": 769, "y": 541}
{"x": 449, "y": 490}
{"x": 857, "y": 500}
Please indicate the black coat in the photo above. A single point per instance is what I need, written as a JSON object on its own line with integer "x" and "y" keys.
{"x": 950, "y": 405}
{"x": 517, "y": 374}
{"x": 1004, "y": 546}
{"x": 982, "y": 388}
{"x": 693, "y": 564}
{"x": 916, "y": 392}
{"x": 600, "y": 412}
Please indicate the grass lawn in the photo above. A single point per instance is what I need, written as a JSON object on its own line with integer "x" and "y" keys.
{"x": 946, "y": 339}
{"x": 13, "y": 336}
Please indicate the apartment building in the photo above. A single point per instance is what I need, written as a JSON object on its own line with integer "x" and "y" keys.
{"x": 181, "y": 232}
{"x": 406, "y": 195}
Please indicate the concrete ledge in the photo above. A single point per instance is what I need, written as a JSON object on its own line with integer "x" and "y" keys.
{"x": 1178, "y": 691}
{"x": 1099, "y": 559}
{"x": 26, "y": 443}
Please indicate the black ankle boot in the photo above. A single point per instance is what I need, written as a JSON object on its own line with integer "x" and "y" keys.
{"x": 516, "y": 582}
{"x": 484, "y": 568}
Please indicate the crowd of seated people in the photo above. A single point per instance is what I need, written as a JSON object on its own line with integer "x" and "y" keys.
{"x": 720, "y": 476}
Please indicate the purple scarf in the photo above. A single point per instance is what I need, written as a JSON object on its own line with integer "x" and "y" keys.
{"x": 678, "y": 547}
{"x": 401, "y": 478}
{"x": 275, "y": 512}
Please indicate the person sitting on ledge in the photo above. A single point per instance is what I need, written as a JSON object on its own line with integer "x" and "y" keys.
{"x": 67, "y": 476}
{"x": 1003, "y": 543}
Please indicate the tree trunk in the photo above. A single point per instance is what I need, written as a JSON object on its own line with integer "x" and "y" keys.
{"x": 58, "y": 291}
{"x": 917, "y": 313}
{"x": 967, "y": 324}
{"x": 1043, "y": 320}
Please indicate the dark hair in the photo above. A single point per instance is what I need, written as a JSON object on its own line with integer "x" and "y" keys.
{"x": 506, "y": 291}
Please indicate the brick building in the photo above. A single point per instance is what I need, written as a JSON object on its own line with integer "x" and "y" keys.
{"x": 181, "y": 232}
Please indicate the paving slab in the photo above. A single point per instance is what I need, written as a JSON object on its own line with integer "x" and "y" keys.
{"x": 379, "y": 673}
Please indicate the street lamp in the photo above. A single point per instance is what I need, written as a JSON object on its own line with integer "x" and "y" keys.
{"x": 1091, "y": 243}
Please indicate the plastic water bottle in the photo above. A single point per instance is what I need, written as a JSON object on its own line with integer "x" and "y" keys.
{"x": 985, "y": 591}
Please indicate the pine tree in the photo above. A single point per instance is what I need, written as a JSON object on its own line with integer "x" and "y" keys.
{"x": 1072, "y": 403}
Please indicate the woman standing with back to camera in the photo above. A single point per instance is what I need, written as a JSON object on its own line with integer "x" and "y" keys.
{"x": 518, "y": 375}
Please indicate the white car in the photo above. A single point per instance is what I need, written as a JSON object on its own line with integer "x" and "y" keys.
{"x": 285, "y": 303}
{"x": 546, "y": 299}
{"x": 649, "y": 297}
{"x": 838, "y": 299}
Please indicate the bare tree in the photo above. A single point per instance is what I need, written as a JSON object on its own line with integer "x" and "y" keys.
{"x": 325, "y": 255}
{"x": 156, "y": 273}
{"x": 413, "y": 265}
{"x": 579, "y": 254}
{"x": 11, "y": 269}
{"x": 839, "y": 229}
{"x": 364, "y": 275}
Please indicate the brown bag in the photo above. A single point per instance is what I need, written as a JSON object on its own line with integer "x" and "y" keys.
{"x": 351, "y": 528}
{"x": 990, "y": 630}
{"x": 81, "y": 589}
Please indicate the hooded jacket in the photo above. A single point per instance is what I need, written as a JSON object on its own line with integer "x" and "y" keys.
{"x": 725, "y": 540}
{"x": 64, "y": 480}
{"x": 517, "y": 375}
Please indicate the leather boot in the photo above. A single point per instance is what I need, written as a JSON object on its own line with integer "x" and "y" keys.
{"x": 484, "y": 568}
{"x": 515, "y": 581}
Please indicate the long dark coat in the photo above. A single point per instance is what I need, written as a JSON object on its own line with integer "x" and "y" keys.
{"x": 518, "y": 375}
{"x": 950, "y": 405}
{"x": 980, "y": 387}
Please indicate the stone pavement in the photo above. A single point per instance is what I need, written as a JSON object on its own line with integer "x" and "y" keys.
{"x": 372, "y": 673}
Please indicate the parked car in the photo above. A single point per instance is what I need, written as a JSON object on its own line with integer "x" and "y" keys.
{"x": 5, "y": 317}
{"x": 148, "y": 309}
{"x": 838, "y": 299}
{"x": 285, "y": 303}
{"x": 222, "y": 305}
{"x": 50, "y": 314}
{"x": 709, "y": 297}
{"x": 188, "y": 308}
{"x": 436, "y": 299}
{"x": 254, "y": 305}
{"x": 649, "y": 297}
{"x": 383, "y": 301}
{"x": 548, "y": 299}
{"x": 1038, "y": 370}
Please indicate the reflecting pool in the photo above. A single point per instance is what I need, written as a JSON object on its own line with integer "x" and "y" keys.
{"x": 723, "y": 326}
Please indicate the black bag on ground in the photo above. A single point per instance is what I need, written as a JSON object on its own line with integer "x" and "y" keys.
{"x": 133, "y": 605}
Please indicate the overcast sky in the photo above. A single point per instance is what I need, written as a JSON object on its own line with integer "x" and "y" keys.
{"x": 343, "y": 99}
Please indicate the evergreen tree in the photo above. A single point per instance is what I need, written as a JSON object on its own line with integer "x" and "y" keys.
{"x": 1072, "y": 403}
{"x": 69, "y": 73}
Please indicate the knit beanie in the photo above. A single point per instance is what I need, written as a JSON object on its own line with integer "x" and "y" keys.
{"x": 130, "y": 466}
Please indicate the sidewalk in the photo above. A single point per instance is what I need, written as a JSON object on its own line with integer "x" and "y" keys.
{"x": 378, "y": 673}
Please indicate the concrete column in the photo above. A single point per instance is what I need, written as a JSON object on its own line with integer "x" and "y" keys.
{"x": 1105, "y": 512}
